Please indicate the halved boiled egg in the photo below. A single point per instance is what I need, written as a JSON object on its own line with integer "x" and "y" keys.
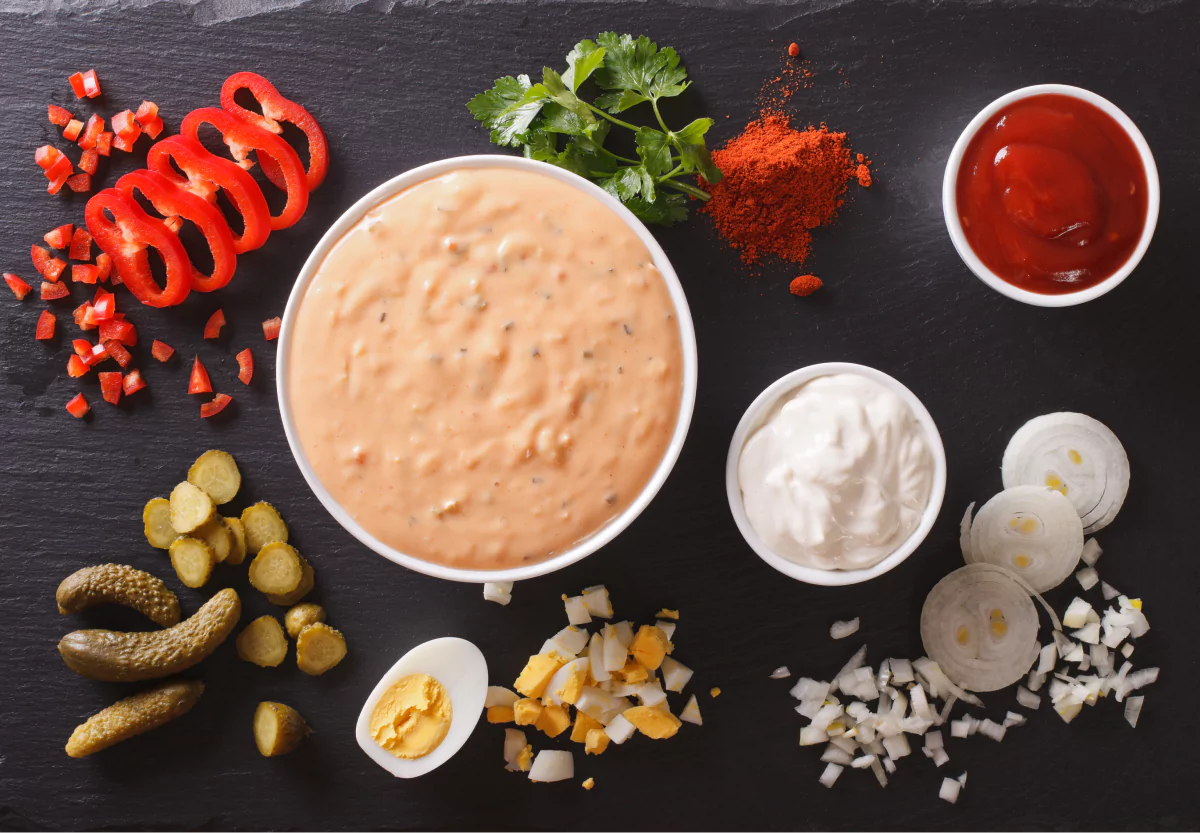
{"x": 425, "y": 707}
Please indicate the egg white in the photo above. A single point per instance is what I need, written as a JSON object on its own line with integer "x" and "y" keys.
{"x": 461, "y": 669}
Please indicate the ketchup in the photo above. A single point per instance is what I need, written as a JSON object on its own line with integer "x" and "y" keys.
{"x": 1052, "y": 194}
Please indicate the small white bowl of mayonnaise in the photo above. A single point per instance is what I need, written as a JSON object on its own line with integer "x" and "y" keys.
{"x": 835, "y": 474}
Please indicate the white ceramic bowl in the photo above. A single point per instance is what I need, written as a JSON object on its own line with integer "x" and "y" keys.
{"x": 687, "y": 337}
{"x": 753, "y": 419}
{"x": 954, "y": 225}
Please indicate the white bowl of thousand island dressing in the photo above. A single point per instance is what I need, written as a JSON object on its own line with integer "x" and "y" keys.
{"x": 487, "y": 369}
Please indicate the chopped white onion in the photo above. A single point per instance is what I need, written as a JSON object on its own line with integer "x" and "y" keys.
{"x": 840, "y": 630}
{"x": 854, "y": 662}
{"x": 1074, "y": 655}
{"x": 809, "y": 708}
{"x": 499, "y": 696}
{"x": 810, "y": 736}
{"x": 889, "y": 765}
{"x": 691, "y": 712}
{"x": 1031, "y": 530}
{"x": 1127, "y": 650}
{"x": 1133, "y": 710}
{"x": 830, "y": 775}
{"x": 964, "y": 533}
{"x": 1089, "y": 633}
{"x": 577, "y": 612}
{"x": 825, "y": 716}
{"x": 940, "y": 757}
{"x": 1091, "y": 552}
{"x": 949, "y": 790}
{"x": 1077, "y": 613}
{"x": 863, "y": 761}
{"x": 897, "y": 746}
{"x": 1027, "y": 698}
{"x": 902, "y": 671}
{"x": 877, "y": 768}
{"x": 499, "y": 592}
{"x": 597, "y": 602}
{"x": 934, "y": 740}
{"x": 834, "y": 755}
{"x": 780, "y": 673}
{"x": 1013, "y": 719}
{"x": 1035, "y": 681}
{"x": 1109, "y": 591}
{"x": 1088, "y": 578}
{"x": 991, "y": 729}
{"x": 808, "y": 689}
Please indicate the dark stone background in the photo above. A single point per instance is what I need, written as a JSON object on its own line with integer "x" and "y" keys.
{"x": 389, "y": 86}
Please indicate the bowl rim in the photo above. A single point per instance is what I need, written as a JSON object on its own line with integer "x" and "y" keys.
{"x": 687, "y": 336}
{"x": 954, "y": 225}
{"x": 753, "y": 418}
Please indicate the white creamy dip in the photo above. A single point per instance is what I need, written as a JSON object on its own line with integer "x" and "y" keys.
{"x": 838, "y": 475}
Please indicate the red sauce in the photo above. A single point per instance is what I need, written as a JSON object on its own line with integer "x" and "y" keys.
{"x": 1052, "y": 194}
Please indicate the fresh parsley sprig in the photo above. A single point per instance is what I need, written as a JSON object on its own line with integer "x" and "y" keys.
{"x": 630, "y": 72}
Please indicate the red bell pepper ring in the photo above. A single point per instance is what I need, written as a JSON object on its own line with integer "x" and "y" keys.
{"x": 118, "y": 352}
{"x": 18, "y": 286}
{"x": 161, "y": 350}
{"x": 242, "y": 137}
{"x": 54, "y": 291}
{"x": 91, "y": 134}
{"x": 125, "y": 238}
{"x": 81, "y": 245}
{"x": 206, "y": 174}
{"x": 218, "y": 403}
{"x": 78, "y": 406}
{"x": 245, "y": 360}
{"x": 110, "y": 386}
{"x": 276, "y": 109}
{"x": 199, "y": 382}
{"x": 59, "y": 238}
{"x": 271, "y": 328}
{"x": 45, "y": 326}
{"x": 133, "y": 382}
{"x": 170, "y": 200}
{"x": 60, "y": 116}
{"x": 216, "y": 321}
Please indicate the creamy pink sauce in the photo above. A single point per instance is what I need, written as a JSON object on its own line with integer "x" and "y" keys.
{"x": 486, "y": 369}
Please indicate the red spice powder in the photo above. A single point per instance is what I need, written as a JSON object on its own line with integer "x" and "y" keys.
{"x": 805, "y": 285}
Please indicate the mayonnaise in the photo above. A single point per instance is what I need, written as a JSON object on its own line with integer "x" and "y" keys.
{"x": 838, "y": 475}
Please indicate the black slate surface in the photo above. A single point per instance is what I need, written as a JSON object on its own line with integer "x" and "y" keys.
{"x": 389, "y": 84}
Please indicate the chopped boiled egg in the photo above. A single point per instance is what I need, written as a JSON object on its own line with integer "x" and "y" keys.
{"x": 554, "y": 720}
{"x": 666, "y": 613}
{"x": 649, "y": 647}
{"x": 499, "y": 592}
{"x": 577, "y": 611}
{"x": 675, "y": 674}
{"x": 589, "y": 783}
{"x": 537, "y": 674}
{"x": 691, "y": 712}
{"x": 597, "y": 602}
{"x": 552, "y": 765}
{"x": 653, "y": 722}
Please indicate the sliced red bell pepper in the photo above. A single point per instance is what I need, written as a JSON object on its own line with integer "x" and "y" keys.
{"x": 77, "y": 85}
{"x": 161, "y": 350}
{"x": 133, "y": 382}
{"x": 59, "y": 238}
{"x": 54, "y": 291}
{"x": 104, "y": 264}
{"x": 126, "y": 126}
{"x": 81, "y": 245}
{"x": 173, "y": 201}
{"x": 77, "y": 367}
{"x": 80, "y": 183}
{"x": 154, "y": 128}
{"x": 118, "y": 352}
{"x": 91, "y": 134}
{"x": 104, "y": 305}
{"x": 85, "y": 273}
{"x": 147, "y": 111}
{"x": 276, "y": 109}
{"x": 46, "y": 156}
{"x": 45, "y": 326}
{"x": 72, "y": 130}
{"x": 245, "y": 362}
{"x": 198, "y": 382}
{"x": 78, "y": 406}
{"x": 242, "y": 137}
{"x": 271, "y": 328}
{"x": 110, "y": 386}
{"x": 206, "y": 173}
{"x": 119, "y": 330}
{"x": 18, "y": 286}
{"x": 125, "y": 238}
{"x": 89, "y": 82}
{"x": 215, "y": 322}
{"x": 218, "y": 403}
{"x": 104, "y": 144}
{"x": 89, "y": 161}
{"x": 60, "y": 116}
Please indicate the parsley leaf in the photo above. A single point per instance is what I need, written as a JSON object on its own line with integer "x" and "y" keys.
{"x": 638, "y": 65}
{"x": 582, "y": 61}
{"x": 503, "y": 110}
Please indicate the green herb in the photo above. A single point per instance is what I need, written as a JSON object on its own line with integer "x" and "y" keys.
{"x": 550, "y": 122}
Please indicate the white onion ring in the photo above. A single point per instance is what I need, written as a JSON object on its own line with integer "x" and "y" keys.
{"x": 980, "y": 626}
{"x": 1032, "y": 531}
{"x": 1076, "y": 455}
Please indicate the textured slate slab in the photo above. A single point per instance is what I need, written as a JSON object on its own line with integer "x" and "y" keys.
{"x": 388, "y": 82}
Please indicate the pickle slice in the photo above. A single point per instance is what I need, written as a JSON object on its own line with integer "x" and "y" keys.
{"x": 262, "y": 526}
{"x": 191, "y": 508}
{"x": 216, "y": 473}
{"x": 301, "y": 616}
{"x": 127, "y": 718}
{"x": 218, "y": 536}
{"x": 289, "y": 599}
{"x": 193, "y": 561}
{"x": 263, "y": 643}
{"x": 319, "y": 648}
{"x": 277, "y": 569}
{"x": 156, "y": 518}
{"x": 238, "y": 554}
{"x": 278, "y": 729}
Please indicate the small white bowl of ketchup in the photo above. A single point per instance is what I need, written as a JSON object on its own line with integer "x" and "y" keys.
{"x": 1051, "y": 195}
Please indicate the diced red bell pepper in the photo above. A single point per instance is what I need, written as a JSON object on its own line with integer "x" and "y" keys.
{"x": 110, "y": 386}
{"x": 104, "y": 305}
{"x": 125, "y": 125}
{"x": 208, "y": 173}
{"x": 85, "y": 273}
{"x": 198, "y": 382}
{"x": 115, "y": 278}
{"x": 89, "y": 315}
{"x": 60, "y": 116}
{"x": 271, "y": 328}
{"x": 77, "y": 367}
{"x": 18, "y": 286}
{"x": 89, "y": 161}
{"x": 45, "y": 326}
{"x": 215, "y": 322}
{"x": 126, "y": 237}
{"x": 59, "y": 238}
{"x": 97, "y": 354}
{"x": 124, "y": 144}
{"x": 91, "y": 134}
{"x": 54, "y": 291}
{"x": 57, "y": 182}
{"x": 215, "y": 407}
{"x": 146, "y": 111}
{"x": 78, "y": 406}
{"x": 80, "y": 183}
{"x": 133, "y": 382}
{"x": 242, "y": 137}
{"x": 76, "y": 80}
{"x": 46, "y": 155}
{"x": 72, "y": 130}
{"x": 51, "y": 268}
{"x": 85, "y": 317}
{"x": 104, "y": 264}
{"x": 118, "y": 352}
{"x": 275, "y": 109}
{"x": 41, "y": 257}
{"x": 81, "y": 245}
{"x": 154, "y": 128}
{"x": 245, "y": 362}
{"x": 121, "y": 331}
{"x": 82, "y": 347}
{"x": 161, "y": 350}
{"x": 91, "y": 84}
{"x": 104, "y": 144}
